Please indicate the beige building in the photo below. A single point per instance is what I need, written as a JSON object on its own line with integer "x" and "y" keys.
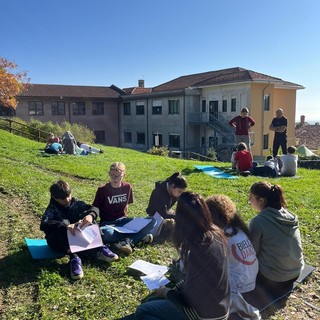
{"x": 187, "y": 114}
{"x": 191, "y": 113}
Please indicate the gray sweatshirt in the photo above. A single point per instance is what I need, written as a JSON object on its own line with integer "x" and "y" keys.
{"x": 276, "y": 239}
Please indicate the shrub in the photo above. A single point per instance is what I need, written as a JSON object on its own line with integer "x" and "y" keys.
{"x": 159, "y": 151}
{"x": 211, "y": 153}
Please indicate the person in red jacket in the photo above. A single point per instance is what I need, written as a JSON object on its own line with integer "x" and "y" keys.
{"x": 243, "y": 158}
{"x": 242, "y": 124}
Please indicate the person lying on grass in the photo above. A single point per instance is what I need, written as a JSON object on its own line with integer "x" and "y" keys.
{"x": 64, "y": 213}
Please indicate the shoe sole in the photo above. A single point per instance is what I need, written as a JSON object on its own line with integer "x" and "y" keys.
{"x": 125, "y": 250}
{"x": 106, "y": 259}
{"x": 76, "y": 276}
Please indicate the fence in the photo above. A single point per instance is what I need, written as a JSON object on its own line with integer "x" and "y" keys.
{"x": 22, "y": 129}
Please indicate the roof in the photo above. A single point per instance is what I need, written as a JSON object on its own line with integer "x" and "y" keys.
{"x": 224, "y": 76}
{"x": 137, "y": 90}
{"x": 56, "y": 90}
{"x": 309, "y": 135}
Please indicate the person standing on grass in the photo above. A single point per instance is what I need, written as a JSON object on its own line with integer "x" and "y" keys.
{"x": 112, "y": 199}
{"x": 275, "y": 235}
{"x": 204, "y": 293}
{"x": 242, "y": 124}
{"x": 279, "y": 126}
{"x": 64, "y": 213}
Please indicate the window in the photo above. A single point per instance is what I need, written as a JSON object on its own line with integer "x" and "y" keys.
{"x": 204, "y": 106}
{"x": 157, "y": 110}
{"x": 157, "y": 107}
{"x": 127, "y": 137}
{"x": 126, "y": 108}
{"x": 265, "y": 141}
{"x": 174, "y": 140}
{"x": 234, "y": 104}
{"x": 100, "y": 136}
{"x": 174, "y": 106}
{"x": 266, "y": 102}
{"x": 140, "y": 109}
{"x": 157, "y": 139}
{"x": 97, "y": 108}
{"x": 224, "y": 105}
{"x": 58, "y": 108}
{"x": 35, "y": 108}
{"x": 141, "y": 138}
{"x": 79, "y": 108}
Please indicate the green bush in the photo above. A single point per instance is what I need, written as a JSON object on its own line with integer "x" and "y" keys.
{"x": 159, "y": 151}
{"x": 211, "y": 153}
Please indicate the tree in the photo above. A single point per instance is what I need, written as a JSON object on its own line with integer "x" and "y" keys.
{"x": 11, "y": 84}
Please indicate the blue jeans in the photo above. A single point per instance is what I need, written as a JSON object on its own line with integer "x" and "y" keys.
{"x": 109, "y": 235}
{"x": 157, "y": 308}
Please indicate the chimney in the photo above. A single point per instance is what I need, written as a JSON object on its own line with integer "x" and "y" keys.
{"x": 141, "y": 83}
{"x": 302, "y": 120}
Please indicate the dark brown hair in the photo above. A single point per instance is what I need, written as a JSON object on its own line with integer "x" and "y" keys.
{"x": 177, "y": 181}
{"x": 273, "y": 194}
{"x": 194, "y": 226}
{"x": 60, "y": 190}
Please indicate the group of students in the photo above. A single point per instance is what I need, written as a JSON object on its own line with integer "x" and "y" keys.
{"x": 223, "y": 261}
{"x": 285, "y": 165}
{"x": 68, "y": 145}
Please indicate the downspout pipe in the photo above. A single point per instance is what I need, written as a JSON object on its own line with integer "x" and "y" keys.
{"x": 262, "y": 116}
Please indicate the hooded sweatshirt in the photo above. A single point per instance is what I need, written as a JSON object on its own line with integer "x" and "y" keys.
{"x": 276, "y": 239}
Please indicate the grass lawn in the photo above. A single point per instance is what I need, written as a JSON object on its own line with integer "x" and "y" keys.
{"x": 43, "y": 289}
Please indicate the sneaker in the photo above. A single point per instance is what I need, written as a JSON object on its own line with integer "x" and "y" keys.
{"x": 124, "y": 245}
{"x": 147, "y": 238}
{"x": 105, "y": 254}
{"x": 76, "y": 268}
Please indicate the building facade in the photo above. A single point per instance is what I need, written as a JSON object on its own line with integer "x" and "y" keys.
{"x": 188, "y": 114}
{"x": 95, "y": 107}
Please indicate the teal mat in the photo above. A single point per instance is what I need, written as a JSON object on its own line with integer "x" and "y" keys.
{"x": 39, "y": 249}
{"x": 215, "y": 172}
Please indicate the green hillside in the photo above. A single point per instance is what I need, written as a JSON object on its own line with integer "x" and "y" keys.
{"x": 43, "y": 289}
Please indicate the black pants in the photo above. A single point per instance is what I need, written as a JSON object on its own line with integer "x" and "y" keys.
{"x": 279, "y": 141}
{"x": 57, "y": 238}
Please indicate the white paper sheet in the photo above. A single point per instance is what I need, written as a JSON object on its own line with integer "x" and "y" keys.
{"x": 133, "y": 226}
{"x": 148, "y": 268}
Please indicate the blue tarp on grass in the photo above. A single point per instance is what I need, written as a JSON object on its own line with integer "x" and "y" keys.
{"x": 215, "y": 172}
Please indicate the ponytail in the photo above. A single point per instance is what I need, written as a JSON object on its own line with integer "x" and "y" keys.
{"x": 273, "y": 194}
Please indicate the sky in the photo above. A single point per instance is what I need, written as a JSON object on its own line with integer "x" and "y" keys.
{"x": 104, "y": 42}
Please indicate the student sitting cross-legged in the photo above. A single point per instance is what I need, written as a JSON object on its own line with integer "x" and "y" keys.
{"x": 64, "y": 213}
{"x": 112, "y": 199}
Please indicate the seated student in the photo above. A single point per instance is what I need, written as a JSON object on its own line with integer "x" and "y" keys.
{"x": 51, "y": 139}
{"x": 289, "y": 162}
{"x": 243, "y": 263}
{"x": 112, "y": 199}
{"x": 65, "y": 213}
{"x": 232, "y": 160}
{"x": 54, "y": 148}
{"x": 164, "y": 197}
{"x": 269, "y": 169}
{"x": 205, "y": 292}
{"x": 276, "y": 238}
{"x": 243, "y": 158}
